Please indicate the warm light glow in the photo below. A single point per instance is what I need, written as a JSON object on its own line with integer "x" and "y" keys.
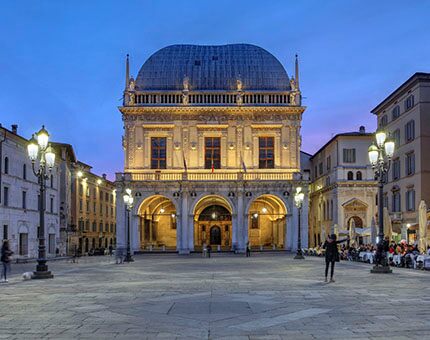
{"x": 162, "y": 211}
{"x": 173, "y": 215}
{"x": 50, "y": 157}
{"x": 380, "y": 137}
{"x": 408, "y": 225}
{"x": 126, "y": 198}
{"x": 130, "y": 200}
{"x": 389, "y": 148}
{"x": 43, "y": 138}
{"x": 298, "y": 189}
{"x": 80, "y": 174}
{"x": 214, "y": 215}
{"x": 128, "y": 191}
{"x": 373, "y": 154}
{"x": 99, "y": 181}
{"x": 255, "y": 215}
{"x": 264, "y": 210}
{"x": 32, "y": 149}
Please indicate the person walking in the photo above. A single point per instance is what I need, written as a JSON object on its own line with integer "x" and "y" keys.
{"x": 248, "y": 249}
{"x": 209, "y": 249}
{"x": 6, "y": 253}
{"x": 331, "y": 254}
{"x": 110, "y": 250}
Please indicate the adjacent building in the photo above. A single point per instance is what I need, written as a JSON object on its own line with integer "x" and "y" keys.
{"x": 19, "y": 201}
{"x": 343, "y": 187}
{"x": 212, "y": 150}
{"x": 92, "y": 220}
{"x": 405, "y": 115}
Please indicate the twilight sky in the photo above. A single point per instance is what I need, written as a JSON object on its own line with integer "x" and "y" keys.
{"x": 62, "y": 62}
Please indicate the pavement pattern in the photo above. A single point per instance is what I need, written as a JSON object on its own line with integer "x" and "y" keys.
{"x": 266, "y": 296}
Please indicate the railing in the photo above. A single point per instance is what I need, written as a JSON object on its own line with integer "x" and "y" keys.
{"x": 210, "y": 176}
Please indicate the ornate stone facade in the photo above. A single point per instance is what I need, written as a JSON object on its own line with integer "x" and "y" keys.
{"x": 211, "y": 165}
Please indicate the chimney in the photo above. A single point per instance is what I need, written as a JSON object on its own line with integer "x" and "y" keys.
{"x": 14, "y": 128}
{"x": 362, "y": 129}
{"x": 104, "y": 176}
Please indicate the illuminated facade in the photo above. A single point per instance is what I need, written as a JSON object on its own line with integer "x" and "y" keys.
{"x": 212, "y": 150}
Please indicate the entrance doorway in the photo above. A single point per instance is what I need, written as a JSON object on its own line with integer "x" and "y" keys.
{"x": 215, "y": 238}
{"x": 212, "y": 223}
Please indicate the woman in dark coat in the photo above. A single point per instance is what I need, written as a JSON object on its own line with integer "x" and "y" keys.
{"x": 6, "y": 253}
{"x": 331, "y": 254}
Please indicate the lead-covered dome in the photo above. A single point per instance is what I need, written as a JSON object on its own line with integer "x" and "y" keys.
{"x": 212, "y": 68}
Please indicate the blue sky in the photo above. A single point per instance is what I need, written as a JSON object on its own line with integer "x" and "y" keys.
{"x": 62, "y": 62}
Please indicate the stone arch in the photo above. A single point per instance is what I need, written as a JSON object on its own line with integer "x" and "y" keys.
{"x": 265, "y": 217}
{"x": 157, "y": 216}
{"x": 219, "y": 211}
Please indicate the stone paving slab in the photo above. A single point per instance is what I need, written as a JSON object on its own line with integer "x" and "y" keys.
{"x": 226, "y": 297}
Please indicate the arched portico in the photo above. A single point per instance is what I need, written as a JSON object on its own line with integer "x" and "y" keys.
{"x": 266, "y": 221}
{"x": 157, "y": 222}
{"x": 212, "y": 220}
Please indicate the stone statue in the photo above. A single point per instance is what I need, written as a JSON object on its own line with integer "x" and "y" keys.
{"x": 131, "y": 85}
{"x": 131, "y": 97}
{"x": 186, "y": 84}
{"x": 293, "y": 84}
{"x": 185, "y": 98}
{"x": 239, "y": 99}
{"x": 239, "y": 85}
{"x": 293, "y": 98}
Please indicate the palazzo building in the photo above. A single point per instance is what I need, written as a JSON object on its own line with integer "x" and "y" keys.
{"x": 343, "y": 190}
{"x": 212, "y": 151}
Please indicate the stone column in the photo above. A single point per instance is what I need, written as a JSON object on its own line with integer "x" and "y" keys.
{"x": 135, "y": 232}
{"x": 288, "y": 244}
{"x": 121, "y": 235}
{"x": 242, "y": 231}
{"x": 305, "y": 222}
{"x": 234, "y": 226}
{"x": 184, "y": 224}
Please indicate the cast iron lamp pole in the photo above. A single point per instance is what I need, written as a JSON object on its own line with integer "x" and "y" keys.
{"x": 128, "y": 201}
{"x": 380, "y": 155}
{"x": 39, "y": 147}
{"x": 298, "y": 200}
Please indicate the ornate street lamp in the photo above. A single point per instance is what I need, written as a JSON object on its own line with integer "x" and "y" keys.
{"x": 380, "y": 155}
{"x": 128, "y": 202}
{"x": 298, "y": 200}
{"x": 39, "y": 149}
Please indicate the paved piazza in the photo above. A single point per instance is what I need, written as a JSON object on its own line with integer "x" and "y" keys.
{"x": 232, "y": 297}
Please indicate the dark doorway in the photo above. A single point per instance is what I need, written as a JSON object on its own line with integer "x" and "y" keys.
{"x": 215, "y": 235}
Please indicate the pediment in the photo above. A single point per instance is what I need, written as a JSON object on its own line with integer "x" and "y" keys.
{"x": 355, "y": 203}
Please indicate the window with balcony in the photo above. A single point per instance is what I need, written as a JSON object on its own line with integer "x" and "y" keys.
{"x": 266, "y": 152}
{"x": 158, "y": 153}
{"x": 396, "y": 169}
{"x": 410, "y": 163}
{"x": 409, "y": 102}
{"x": 396, "y": 137}
{"x": 349, "y": 155}
{"x": 212, "y": 153}
{"x": 410, "y": 200}
{"x": 396, "y": 201}
{"x": 410, "y": 131}
{"x": 395, "y": 112}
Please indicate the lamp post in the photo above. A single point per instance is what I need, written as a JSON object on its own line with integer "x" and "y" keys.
{"x": 380, "y": 155}
{"x": 39, "y": 149}
{"x": 128, "y": 202}
{"x": 298, "y": 200}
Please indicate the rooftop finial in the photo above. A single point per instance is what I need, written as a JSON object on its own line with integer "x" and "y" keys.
{"x": 297, "y": 72}
{"x": 127, "y": 72}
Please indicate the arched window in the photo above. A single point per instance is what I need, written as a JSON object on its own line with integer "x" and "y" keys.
{"x": 350, "y": 176}
{"x": 6, "y": 165}
{"x": 359, "y": 176}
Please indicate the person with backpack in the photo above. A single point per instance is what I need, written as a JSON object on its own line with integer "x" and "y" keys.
{"x": 6, "y": 253}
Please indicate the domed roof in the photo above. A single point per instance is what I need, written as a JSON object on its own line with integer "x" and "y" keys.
{"x": 212, "y": 68}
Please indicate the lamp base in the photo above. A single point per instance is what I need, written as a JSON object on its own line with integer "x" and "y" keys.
{"x": 381, "y": 270}
{"x": 42, "y": 275}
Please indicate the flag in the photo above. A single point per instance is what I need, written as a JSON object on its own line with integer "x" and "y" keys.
{"x": 185, "y": 162}
{"x": 243, "y": 163}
